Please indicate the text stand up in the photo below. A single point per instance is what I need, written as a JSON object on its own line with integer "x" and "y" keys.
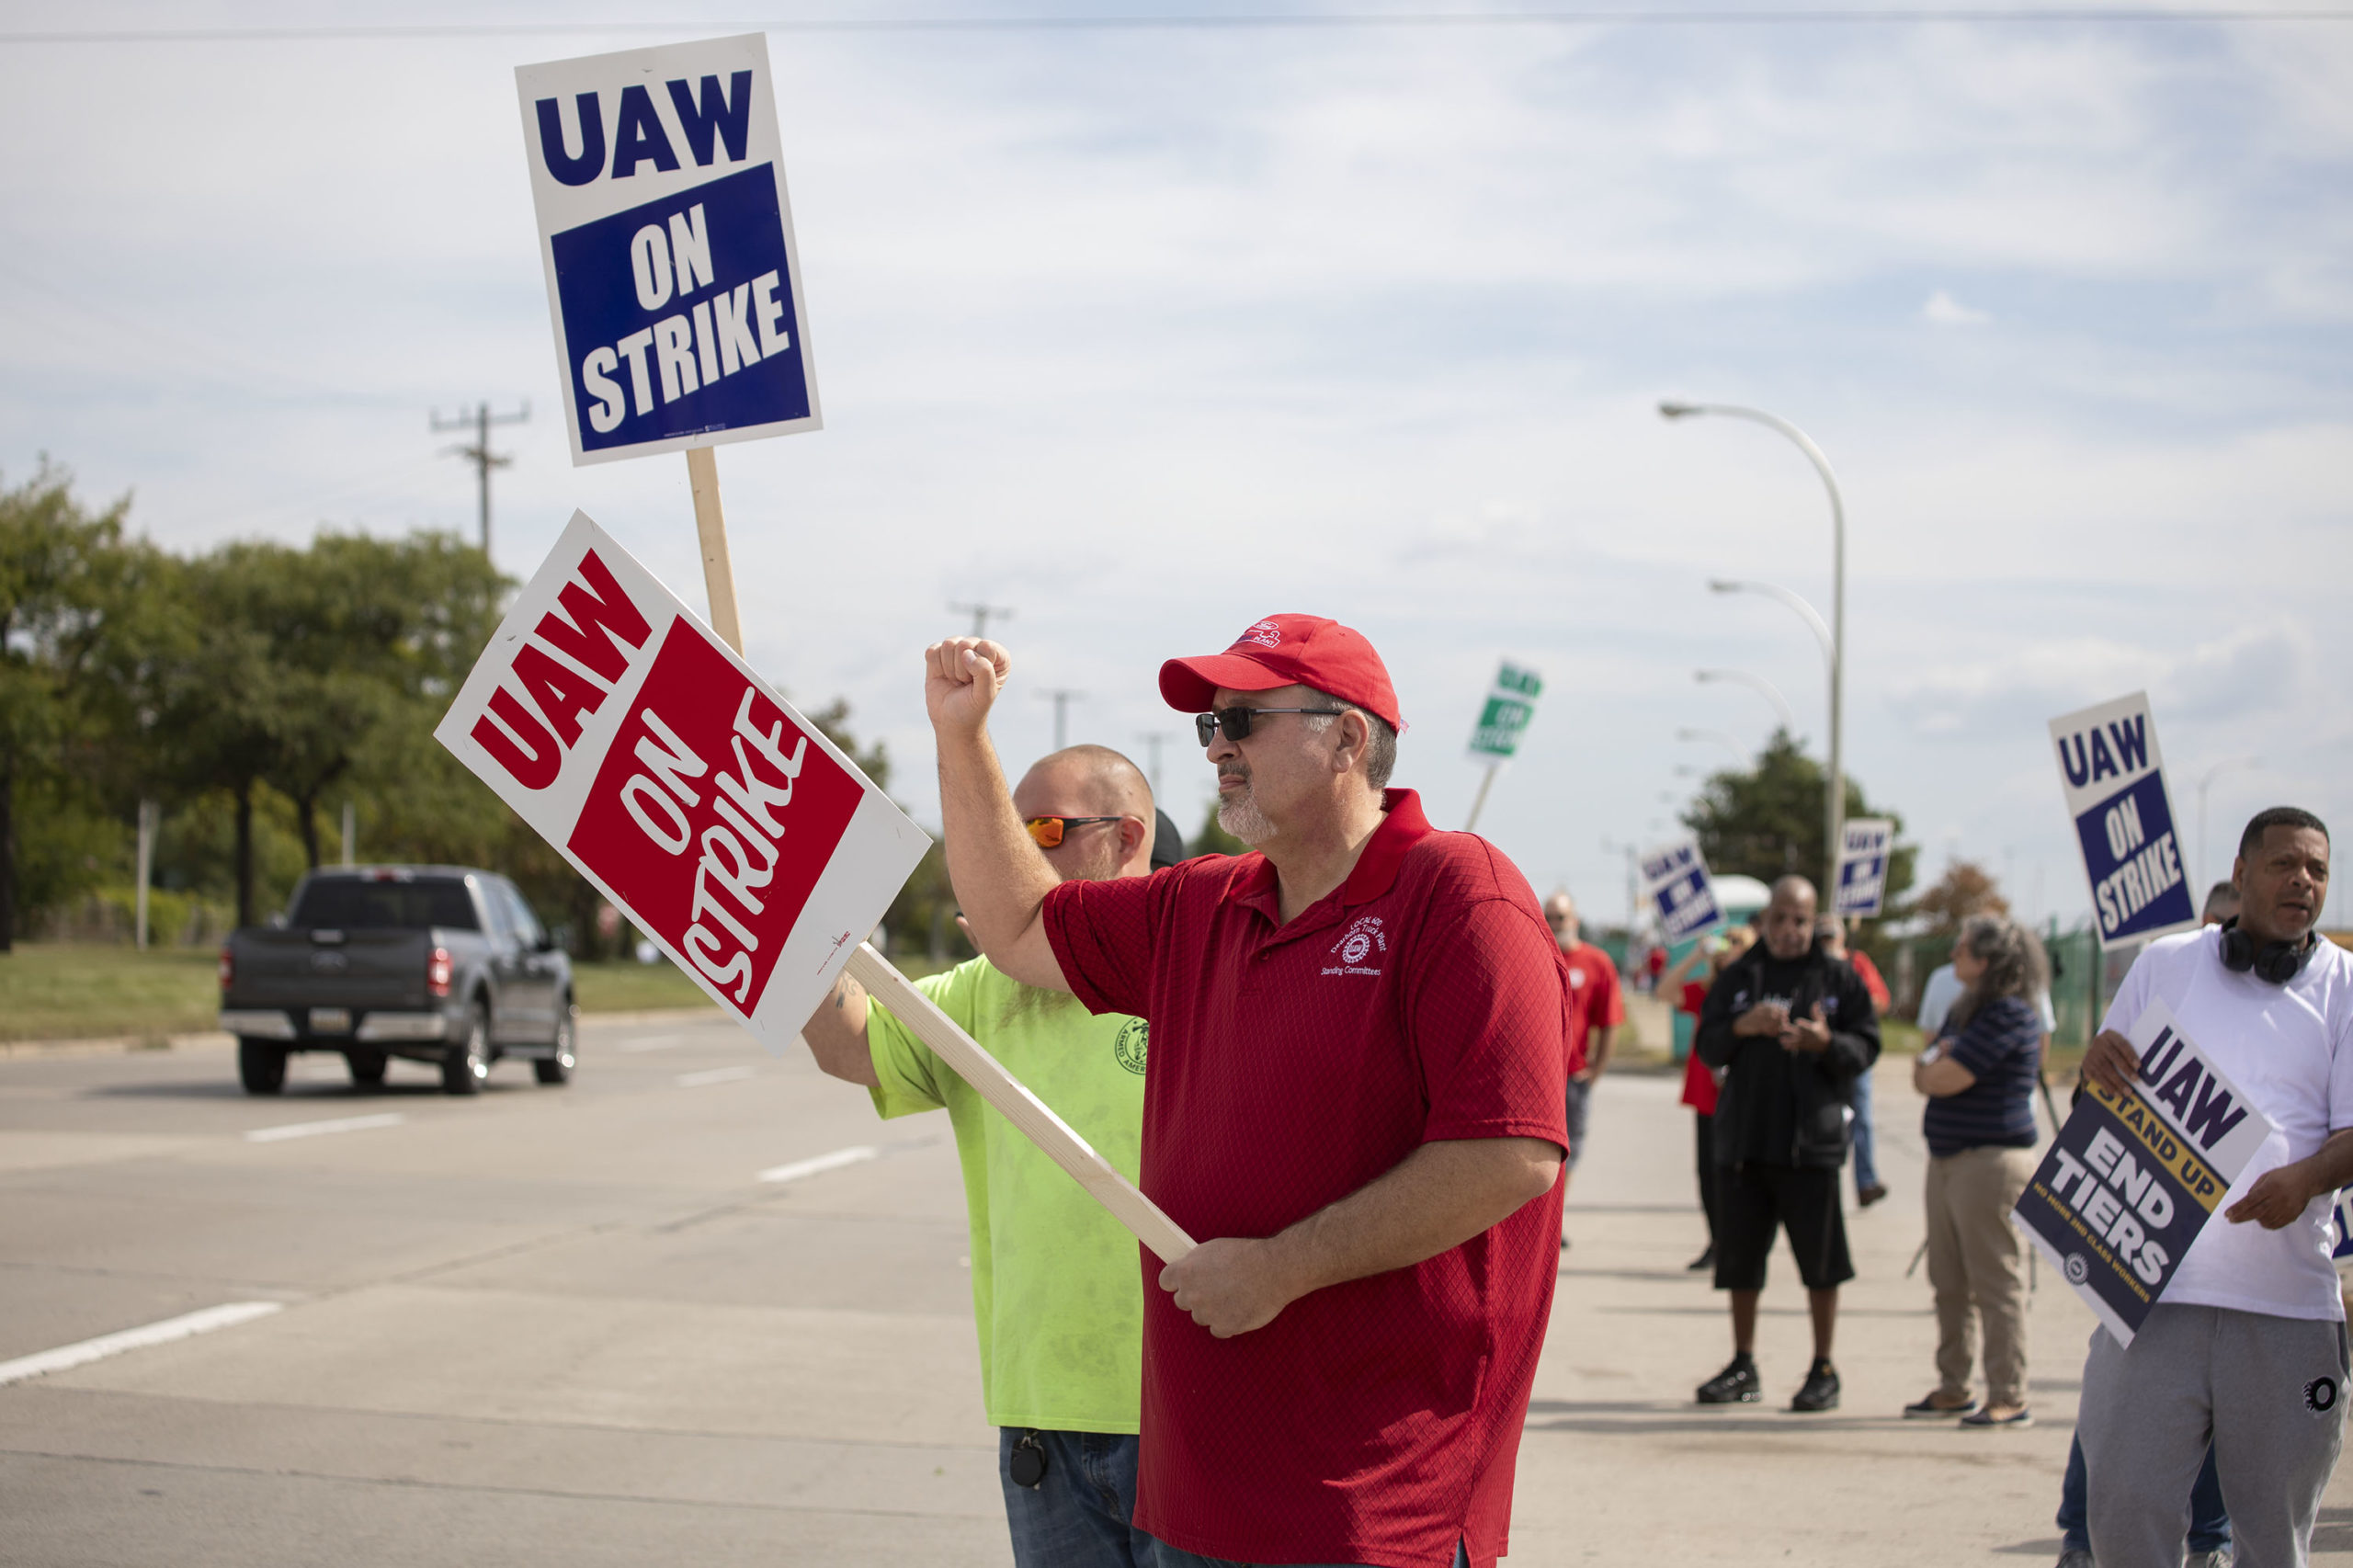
{"x": 1012, "y": 1098}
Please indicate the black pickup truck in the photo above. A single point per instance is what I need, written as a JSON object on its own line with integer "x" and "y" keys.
{"x": 442, "y": 964}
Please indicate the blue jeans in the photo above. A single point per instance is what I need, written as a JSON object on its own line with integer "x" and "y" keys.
{"x": 2209, "y": 1525}
{"x": 1866, "y": 1165}
{"x": 1078, "y": 1513}
{"x": 1171, "y": 1557}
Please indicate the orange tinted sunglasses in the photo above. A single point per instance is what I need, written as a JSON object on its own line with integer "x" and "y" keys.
{"x": 1047, "y": 831}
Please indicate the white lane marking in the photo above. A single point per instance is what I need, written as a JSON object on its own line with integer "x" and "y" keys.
{"x": 716, "y": 1075}
{"x": 313, "y": 1129}
{"x": 652, "y": 1042}
{"x": 163, "y": 1332}
{"x": 819, "y": 1163}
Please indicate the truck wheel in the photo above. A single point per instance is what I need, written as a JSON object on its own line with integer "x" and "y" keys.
{"x": 367, "y": 1068}
{"x": 467, "y": 1067}
{"x": 557, "y": 1068}
{"x": 261, "y": 1066}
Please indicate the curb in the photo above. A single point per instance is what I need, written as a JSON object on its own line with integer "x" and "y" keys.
{"x": 216, "y": 1040}
{"x": 209, "y": 1040}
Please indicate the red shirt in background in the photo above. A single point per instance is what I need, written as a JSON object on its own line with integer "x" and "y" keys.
{"x": 1868, "y": 972}
{"x": 1698, "y": 1084}
{"x": 1377, "y": 1421}
{"x": 1593, "y": 997}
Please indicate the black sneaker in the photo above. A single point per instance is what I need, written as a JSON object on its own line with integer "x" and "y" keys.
{"x": 1737, "y": 1385}
{"x": 1821, "y": 1390}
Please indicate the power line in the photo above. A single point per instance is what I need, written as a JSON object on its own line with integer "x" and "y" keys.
{"x": 1061, "y": 697}
{"x": 982, "y": 614}
{"x": 2073, "y": 15}
{"x": 479, "y": 454}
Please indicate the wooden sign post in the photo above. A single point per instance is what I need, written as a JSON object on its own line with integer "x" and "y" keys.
{"x": 1032, "y": 1117}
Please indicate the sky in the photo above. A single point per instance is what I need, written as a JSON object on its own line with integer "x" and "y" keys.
{"x": 1148, "y": 332}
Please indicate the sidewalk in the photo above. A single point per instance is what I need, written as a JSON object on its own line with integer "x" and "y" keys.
{"x": 1619, "y": 1466}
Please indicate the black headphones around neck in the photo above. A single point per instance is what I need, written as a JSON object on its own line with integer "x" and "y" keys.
{"x": 2277, "y": 962}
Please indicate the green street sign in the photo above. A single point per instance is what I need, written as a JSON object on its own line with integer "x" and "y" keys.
{"x": 1506, "y": 713}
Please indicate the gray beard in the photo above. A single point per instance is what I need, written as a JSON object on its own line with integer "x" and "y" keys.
{"x": 1242, "y": 818}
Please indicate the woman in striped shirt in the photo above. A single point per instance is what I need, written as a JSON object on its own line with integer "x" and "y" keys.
{"x": 1979, "y": 1076}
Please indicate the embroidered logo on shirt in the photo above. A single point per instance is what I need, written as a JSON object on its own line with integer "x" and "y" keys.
{"x": 1576, "y": 980}
{"x": 1356, "y": 944}
{"x": 1127, "y": 1045}
{"x": 1266, "y": 634}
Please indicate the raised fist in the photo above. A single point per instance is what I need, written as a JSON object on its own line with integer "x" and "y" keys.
{"x": 962, "y": 678}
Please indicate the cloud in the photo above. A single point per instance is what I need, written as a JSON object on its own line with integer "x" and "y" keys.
{"x": 1943, "y": 309}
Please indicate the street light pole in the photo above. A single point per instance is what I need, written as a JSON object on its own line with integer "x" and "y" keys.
{"x": 2204, "y": 783}
{"x": 1716, "y": 735}
{"x": 1760, "y": 684}
{"x": 1835, "y": 816}
{"x": 1633, "y": 892}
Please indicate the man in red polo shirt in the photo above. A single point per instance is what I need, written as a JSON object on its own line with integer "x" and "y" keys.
{"x": 1358, "y": 1040}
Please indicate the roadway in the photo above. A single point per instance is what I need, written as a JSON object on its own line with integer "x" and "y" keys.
{"x": 577, "y": 1326}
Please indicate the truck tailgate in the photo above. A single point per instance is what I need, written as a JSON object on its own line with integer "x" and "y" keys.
{"x": 366, "y": 969}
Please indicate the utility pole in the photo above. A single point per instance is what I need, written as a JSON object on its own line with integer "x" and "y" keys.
{"x": 982, "y": 614}
{"x": 1062, "y": 696}
{"x": 479, "y": 454}
{"x": 1151, "y": 739}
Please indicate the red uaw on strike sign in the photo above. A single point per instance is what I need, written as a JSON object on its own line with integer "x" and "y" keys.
{"x": 729, "y": 828}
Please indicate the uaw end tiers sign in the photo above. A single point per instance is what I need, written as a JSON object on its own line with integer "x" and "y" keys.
{"x": 2132, "y": 1178}
{"x": 732, "y": 832}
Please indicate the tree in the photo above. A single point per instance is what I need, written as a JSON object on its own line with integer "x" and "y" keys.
{"x": 288, "y": 666}
{"x": 1213, "y": 840}
{"x": 60, "y": 568}
{"x": 1767, "y": 822}
{"x": 1964, "y": 890}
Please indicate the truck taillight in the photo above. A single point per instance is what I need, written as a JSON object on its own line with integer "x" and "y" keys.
{"x": 228, "y": 967}
{"x": 437, "y": 971}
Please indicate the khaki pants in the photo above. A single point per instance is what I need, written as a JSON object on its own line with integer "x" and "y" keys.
{"x": 1977, "y": 1263}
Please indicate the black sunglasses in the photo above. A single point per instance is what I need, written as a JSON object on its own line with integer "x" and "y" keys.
{"x": 1237, "y": 721}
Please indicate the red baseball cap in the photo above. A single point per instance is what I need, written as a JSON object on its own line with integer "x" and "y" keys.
{"x": 1287, "y": 650}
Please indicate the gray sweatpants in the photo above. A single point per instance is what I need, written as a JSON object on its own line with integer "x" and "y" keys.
{"x": 2266, "y": 1391}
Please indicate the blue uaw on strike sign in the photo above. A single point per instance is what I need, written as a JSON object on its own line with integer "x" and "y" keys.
{"x": 1864, "y": 845}
{"x": 673, "y": 278}
{"x": 1676, "y": 876}
{"x": 2131, "y": 1181}
{"x": 2114, "y": 782}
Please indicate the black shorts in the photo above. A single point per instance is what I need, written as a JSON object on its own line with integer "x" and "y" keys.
{"x": 1753, "y": 1201}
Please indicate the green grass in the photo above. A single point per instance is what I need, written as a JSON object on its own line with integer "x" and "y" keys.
{"x": 73, "y": 991}
{"x": 634, "y": 987}
{"x": 63, "y": 990}
{"x": 69, "y": 991}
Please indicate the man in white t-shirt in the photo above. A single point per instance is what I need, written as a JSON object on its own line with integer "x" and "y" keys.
{"x": 2247, "y": 1347}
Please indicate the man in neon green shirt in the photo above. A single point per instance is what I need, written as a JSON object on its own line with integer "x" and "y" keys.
{"x": 1057, "y": 1288}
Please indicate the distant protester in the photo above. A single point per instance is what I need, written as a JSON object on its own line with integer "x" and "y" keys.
{"x": 1790, "y": 1028}
{"x": 1710, "y": 956}
{"x": 1869, "y": 1188}
{"x": 1980, "y": 1075}
{"x": 1596, "y": 1010}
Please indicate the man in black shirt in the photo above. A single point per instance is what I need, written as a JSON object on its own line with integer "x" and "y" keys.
{"x": 1790, "y": 1028}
